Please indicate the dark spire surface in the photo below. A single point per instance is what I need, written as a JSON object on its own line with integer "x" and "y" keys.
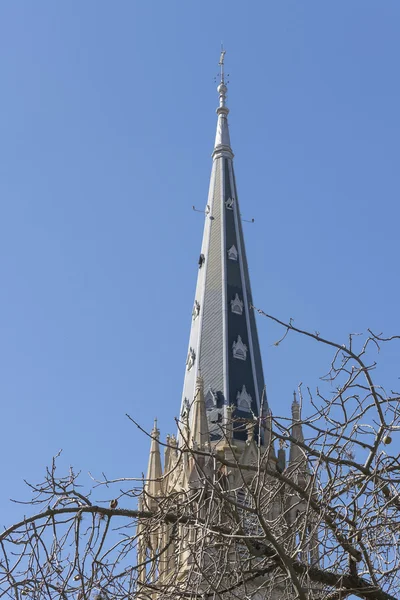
{"x": 223, "y": 344}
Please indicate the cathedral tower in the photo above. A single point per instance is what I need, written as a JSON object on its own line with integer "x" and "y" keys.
{"x": 222, "y": 469}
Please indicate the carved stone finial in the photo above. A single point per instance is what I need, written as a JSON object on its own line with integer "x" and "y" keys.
{"x": 295, "y": 407}
{"x": 155, "y": 431}
{"x": 199, "y": 382}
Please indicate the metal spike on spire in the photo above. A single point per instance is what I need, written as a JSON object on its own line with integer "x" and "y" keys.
{"x": 222, "y": 89}
{"x": 221, "y": 64}
{"x": 222, "y": 138}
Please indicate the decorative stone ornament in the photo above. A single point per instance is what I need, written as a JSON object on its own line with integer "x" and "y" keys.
{"x": 196, "y": 310}
{"x": 233, "y": 253}
{"x": 239, "y": 349}
{"x": 210, "y": 400}
{"x": 243, "y": 400}
{"x": 237, "y": 305}
{"x": 229, "y": 203}
{"x": 190, "y": 359}
{"x": 185, "y": 407}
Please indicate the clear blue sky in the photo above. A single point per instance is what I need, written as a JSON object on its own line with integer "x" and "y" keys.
{"x": 107, "y": 121}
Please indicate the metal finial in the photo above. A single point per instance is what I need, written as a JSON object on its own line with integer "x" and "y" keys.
{"x": 222, "y": 89}
{"x": 221, "y": 64}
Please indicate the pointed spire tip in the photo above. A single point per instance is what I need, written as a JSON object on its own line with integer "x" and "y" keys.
{"x": 295, "y": 408}
{"x": 222, "y": 144}
{"x": 222, "y": 89}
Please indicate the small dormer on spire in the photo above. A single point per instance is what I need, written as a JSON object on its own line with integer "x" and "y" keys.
{"x": 222, "y": 145}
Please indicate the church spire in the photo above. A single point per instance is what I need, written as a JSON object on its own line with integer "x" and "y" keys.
{"x": 223, "y": 341}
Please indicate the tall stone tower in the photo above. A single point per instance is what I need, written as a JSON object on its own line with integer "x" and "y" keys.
{"x": 223, "y": 450}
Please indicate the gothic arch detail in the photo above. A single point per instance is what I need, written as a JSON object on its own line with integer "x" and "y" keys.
{"x": 210, "y": 400}
{"x": 243, "y": 400}
{"x": 237, "y": 305}
{"x": 239, "y": 349}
